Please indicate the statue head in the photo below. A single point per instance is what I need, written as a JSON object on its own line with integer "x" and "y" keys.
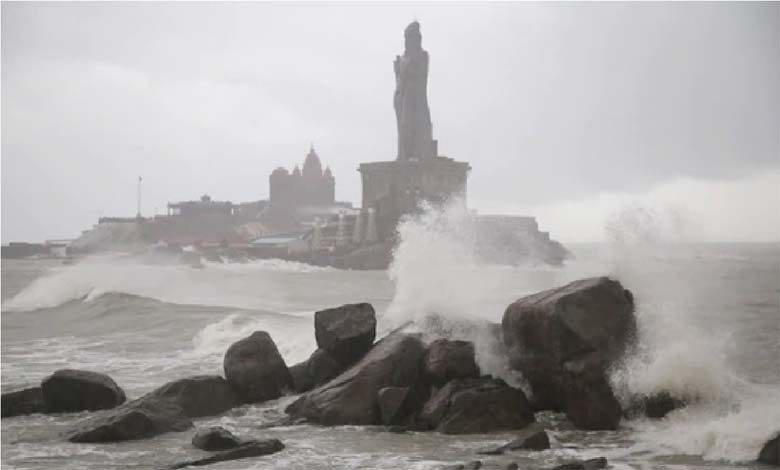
{"x": 412, "y": 36}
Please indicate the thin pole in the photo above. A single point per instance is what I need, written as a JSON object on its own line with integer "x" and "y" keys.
{"x": 138, "y": 213}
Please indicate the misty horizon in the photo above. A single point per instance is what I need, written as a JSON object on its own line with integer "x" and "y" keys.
{"x": 572, "y": 113}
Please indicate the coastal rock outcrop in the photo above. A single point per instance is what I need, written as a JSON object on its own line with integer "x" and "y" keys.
{"x": 346, "y": 332}
{"x": 470, "y": 406}
{"x": 215, "y": 438}
{"x": 352, "y": 397}
{"x": 589, "y": 400}
{"x": 770, "y": 453}
{"x": 256, "y": 370}
{"x": 69, "y": 390}
{"x": 450, "y": 359}
{"x": 656, "y": 405}
{"x": 531, "y": 438}
{"x": 544, "y": 331}
{"x": 316, "y": 370}
{"x": 200, "y": 395}
{"x": 23, "y": 402}
{"x": 244, "y": 451}
{"x": 590, "y": 464}
{"x": 138, "y": 419}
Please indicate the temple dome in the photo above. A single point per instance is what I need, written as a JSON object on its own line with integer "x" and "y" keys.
{"x": 312, "y": 167}
{"x": 296, "y": 171}
{"x": 327, "y": 173}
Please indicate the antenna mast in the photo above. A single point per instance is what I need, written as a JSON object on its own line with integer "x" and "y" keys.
{"x": 138, "y": 212}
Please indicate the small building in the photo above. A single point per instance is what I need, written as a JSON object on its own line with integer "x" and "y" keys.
{"x": 280, "y": 244}
{"x": 204, "y": 206}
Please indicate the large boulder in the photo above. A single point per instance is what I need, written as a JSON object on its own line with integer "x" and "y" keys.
{"x": 347, "y": 332}
{"x": 200, "y": 395}
{"x": 215, "y": 438}
{"x": 256, "y": 370}
{"x": 244, "y": 451}
{"x": 545, "y": 330}
{"x": 589, "y": 401}
{"x": 656, "y": 405}
{"x": 316, "y": 370}
{"x": 770, "y": 453}
{"x": 450, "y": 359}
{"x": 352, "y": 397}
{"x": 23, "y": 402}
{"x": 138, "y": 419}
{"x": 79, "y": 390}
{"x": 472, "y": 406}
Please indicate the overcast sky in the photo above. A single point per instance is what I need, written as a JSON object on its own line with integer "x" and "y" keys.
{"x": 569, "y": 112}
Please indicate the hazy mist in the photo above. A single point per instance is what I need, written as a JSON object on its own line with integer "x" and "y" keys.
{"x": 569, "y": 112}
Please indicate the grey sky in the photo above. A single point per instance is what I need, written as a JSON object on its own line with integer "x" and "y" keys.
{"x": 552, "y": 103}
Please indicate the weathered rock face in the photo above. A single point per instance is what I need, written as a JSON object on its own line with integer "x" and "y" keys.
{"x": 351, "y": 398}
{"x": 770, "y": 453}
{"x": 347, "y": 332}
{"x": 469, "y": 406}
{"x": 655, "y": 406}
{"x": 244, "y": 451}
{"x": 256, "y": 370}
{"x": 201, "y": 395}
{"x": 531, "y": 438}
{"x": 215, "y": 438}
{"x": 590, "y": 464}
{"x": 78, "y": 390}
{"x": 138, "y": 419}
{"x": 315, "y": 371}
{"x": 447, "y": 360}
{"x": 23, "y": 402}
{"x": 589, "y": 401}
{"x": 545, "y": 330}
{"x": 391, "y": 404}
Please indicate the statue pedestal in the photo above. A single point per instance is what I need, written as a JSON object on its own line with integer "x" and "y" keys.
{"x": 394, "y": 188}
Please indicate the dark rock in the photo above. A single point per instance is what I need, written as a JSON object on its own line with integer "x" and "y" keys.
{"x": 545, "y": 330}
{"x": 22, "y": 402}
{"x": 139, "y": 419}
{"x": 256, "y": 370}
{"x": 473, "y": 465}
{"x": 315, "y": 371}
{"x": 469, "y": 406}
{"x": 655, "y": 406}
{"x": 244, "y": 451}
{"x": 770, "y": 453}
{"x": 512, "y": 466}
{"x": 589, "y": 401}
{"x": 351, "y": 398}
{"x": 590, "y": 464}
{"x": 79, "y": 390}
{"x": 215, "y": 438}
{"x": 346, "y": 332}
{"x": 391, "y": 401}
{"x": 447, "y": 360}
{"x": 528, "y": 439}
{"x": 200, "y": 395}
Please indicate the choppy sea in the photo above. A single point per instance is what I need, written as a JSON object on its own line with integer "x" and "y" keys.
{"x": 708, "y": 314}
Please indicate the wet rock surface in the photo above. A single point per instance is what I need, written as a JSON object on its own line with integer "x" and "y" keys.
{"x": 346, "y": 332}
{"x": 589, "y": 400}
{"x": 352, "y": 397}
{"x": 246, "y": 450}
{"x": 255, "y": 369}
{"x": 450, "y": 359}
{"x": 201, "y": 395}
{"x": 139, "y": 419}
{"x": 468, "y": 406}
{"x": 70, "y": 390}
{"x": 215, "y": 438}
{"x": 527, "y": 439}
{"x": 545, "y": 330}
{"x": 770, "y": 452}
{"x": 319, "y": 368}
{"x": 23, "y": 402}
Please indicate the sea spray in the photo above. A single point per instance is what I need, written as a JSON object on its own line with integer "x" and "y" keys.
{"x": 681, "y": 351}
{"x": 443, "y": 288}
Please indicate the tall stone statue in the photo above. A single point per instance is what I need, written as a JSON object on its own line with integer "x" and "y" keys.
{"x": 415, "y": 134}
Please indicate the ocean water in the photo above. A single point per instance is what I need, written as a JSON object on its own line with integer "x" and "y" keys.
{"x": 708, "y": 314}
